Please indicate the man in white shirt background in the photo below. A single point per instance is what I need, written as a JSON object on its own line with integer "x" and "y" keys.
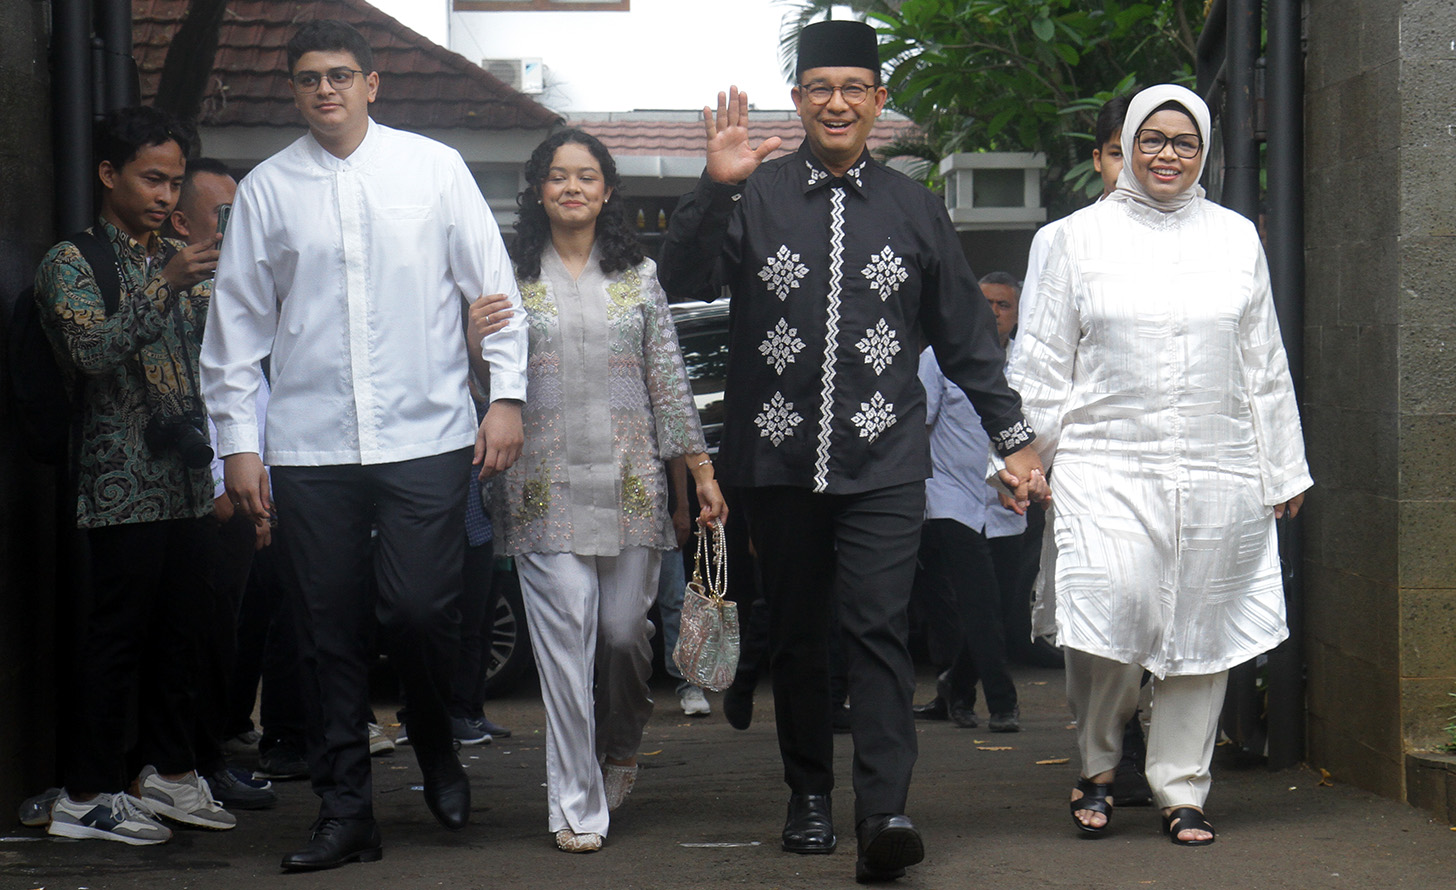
{"x": 349, "y": 254}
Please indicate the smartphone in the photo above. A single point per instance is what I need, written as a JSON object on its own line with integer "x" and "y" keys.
{"x": 224, "y": 213}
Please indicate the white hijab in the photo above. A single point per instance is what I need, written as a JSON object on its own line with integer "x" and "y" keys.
{"x": 1138, "y": 111}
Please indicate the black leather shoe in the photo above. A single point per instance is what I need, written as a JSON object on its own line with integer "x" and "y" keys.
{"x": 934, "y": 709}
{"x": 738, "y": 706}
{"x": 335, "y": 842}
{"x": 888, "y": 842}
{"x": 447, "y": 788}
{"x": 809, "y": 828}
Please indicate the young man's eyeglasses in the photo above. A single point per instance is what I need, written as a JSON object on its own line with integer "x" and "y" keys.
{"x": 339, "y": 79}
{"x": 820, "y": 94}
{"x": 1187, "y": 145}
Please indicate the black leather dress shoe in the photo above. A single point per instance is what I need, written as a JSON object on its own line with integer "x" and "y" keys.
{"x": 888, "y": 842}
{"x": 809, "y": 828}
{"x": 934, "y": 709}
{"x": 447, "y": 788}
{"x": 335, "y": 842}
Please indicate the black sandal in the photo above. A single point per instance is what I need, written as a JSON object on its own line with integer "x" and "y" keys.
{"x": 1187, "y": 819}
{"x": 1096, "y": 798}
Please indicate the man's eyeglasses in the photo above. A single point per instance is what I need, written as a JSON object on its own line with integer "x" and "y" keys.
{"x": 339, "y": 79}
{"x": 1187, "y": 145}
{"x": 820, "y": 94}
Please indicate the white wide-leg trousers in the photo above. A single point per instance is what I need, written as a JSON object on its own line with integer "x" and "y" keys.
{"x": 1104, "y": 695}
{"x": 588, "y": 617}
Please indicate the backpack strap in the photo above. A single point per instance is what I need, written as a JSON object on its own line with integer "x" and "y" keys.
{"x": 102, "y": 259}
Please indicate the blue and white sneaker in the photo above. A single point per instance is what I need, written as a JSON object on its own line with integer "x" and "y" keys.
{"x": 107, "y": 817}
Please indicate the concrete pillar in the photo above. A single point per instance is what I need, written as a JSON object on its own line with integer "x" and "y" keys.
{"x": 1380, "y": 384}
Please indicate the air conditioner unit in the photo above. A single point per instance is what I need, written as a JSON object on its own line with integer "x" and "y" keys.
{"x": 522, "y": 75}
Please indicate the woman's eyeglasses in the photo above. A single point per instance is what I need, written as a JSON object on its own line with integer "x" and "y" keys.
{"x": 1185, "y": 145}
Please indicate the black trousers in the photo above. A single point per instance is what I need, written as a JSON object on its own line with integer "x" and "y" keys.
{"x": 964, "y": 597}
{"x": 417, "y": 508}
{"x": 477, "y": 621}
{"x": 230, "y": 557}
{"x": 149, "y": 581}
{"x": 267, "y": 650}
{"x": 817, "y": 551}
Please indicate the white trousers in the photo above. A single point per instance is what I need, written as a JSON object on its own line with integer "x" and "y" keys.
{"x": 588, "y": 614}
{"x": 1104, "y": 695}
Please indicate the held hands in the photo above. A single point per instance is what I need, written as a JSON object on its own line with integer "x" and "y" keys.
{"x": 192, "y": 264}
{"x": 500, "y": 437}
{"x": 730, "y": 158}
{"x": 1025, "y": 479}
{"x": 488, "y": 314}
{"x": 1289, "y": 507}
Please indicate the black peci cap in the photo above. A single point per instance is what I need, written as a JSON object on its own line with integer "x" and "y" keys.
{"x": 838, "y": 44}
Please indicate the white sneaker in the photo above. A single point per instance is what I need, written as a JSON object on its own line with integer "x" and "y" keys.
{"x": 188, "y": 801}
{"x": 694, "y": 703}
{"x": 617, "y": 781}
{"x": 107, "y": 817}
{"x": 379, "y": 743}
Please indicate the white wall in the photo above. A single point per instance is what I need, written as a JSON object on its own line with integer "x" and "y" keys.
{"x": 430, "y": 18}
{"x": 661, "y": 54}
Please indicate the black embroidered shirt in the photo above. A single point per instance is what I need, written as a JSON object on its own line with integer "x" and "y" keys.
{"x": 837, "y": 283}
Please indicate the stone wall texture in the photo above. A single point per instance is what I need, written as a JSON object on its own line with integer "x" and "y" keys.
{"x": 1380, "y": 384}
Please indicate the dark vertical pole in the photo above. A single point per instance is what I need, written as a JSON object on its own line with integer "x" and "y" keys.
{"x": 1241, "y": 151}
{"x": 1286, "y": 271}
{"x": 71, "y": 112}
{"x": 117, "y": 72}
{"x": 1241, "y": 711}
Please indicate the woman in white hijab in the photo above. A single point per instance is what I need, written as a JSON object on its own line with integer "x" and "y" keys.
{"x": 1153, "y": 371}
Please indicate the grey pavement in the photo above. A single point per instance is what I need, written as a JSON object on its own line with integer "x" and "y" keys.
{"x": 710, "y": 801}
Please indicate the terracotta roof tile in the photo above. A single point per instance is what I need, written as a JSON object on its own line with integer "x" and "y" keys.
{"x": 680, "y": 134}
{"x": 424, "y": 85}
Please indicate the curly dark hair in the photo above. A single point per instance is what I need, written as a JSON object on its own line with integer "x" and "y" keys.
{"x": 615, "y": 239}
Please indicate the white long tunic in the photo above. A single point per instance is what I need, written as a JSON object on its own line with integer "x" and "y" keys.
{"x": 1152, "y": 368}
{"x": 351, "y": 273}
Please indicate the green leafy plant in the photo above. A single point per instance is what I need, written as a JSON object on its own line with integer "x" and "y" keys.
{"x": 1021, "y": 75}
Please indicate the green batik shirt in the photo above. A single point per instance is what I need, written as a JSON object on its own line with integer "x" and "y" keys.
{"x": 107, "y": 361}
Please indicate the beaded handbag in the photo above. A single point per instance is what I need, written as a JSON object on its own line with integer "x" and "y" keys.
{"x": 707, "y": 640}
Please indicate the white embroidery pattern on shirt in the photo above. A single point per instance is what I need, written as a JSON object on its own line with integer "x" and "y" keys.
{"x": 782, "y": 272}
{"x": 831, "y": 336}
{"x": 879, "y": 346}
{"x": 777, "y": 420}
{"x": 815, "y": 174}
{"x": 886, "y": 272}
{"x": 781, "y": 345}
{"x": 874, "y": 417}
{"x": 854, "y": 173}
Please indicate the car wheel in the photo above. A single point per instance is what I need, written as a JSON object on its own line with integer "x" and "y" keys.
{"x": 510, "y": 643}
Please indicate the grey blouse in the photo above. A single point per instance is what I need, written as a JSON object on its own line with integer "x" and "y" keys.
{"x": 607, "y": 401}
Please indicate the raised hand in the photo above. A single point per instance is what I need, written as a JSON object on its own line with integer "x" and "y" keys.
{"x": 730, "y": 158}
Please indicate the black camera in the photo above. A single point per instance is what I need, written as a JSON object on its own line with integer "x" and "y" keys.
{"x": 183, "y": 434}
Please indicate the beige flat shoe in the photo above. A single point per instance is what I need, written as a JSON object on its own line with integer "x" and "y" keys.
{"x": 571, "y": 842}
{"x": 618, "y": 781}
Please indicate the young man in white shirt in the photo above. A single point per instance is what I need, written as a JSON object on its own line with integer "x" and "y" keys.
{"x": 349, "y": 254}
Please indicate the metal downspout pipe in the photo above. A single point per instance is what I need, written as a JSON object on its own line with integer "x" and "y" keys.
{"x": 71, "y": 113}
{"x": 1285, "y": 107}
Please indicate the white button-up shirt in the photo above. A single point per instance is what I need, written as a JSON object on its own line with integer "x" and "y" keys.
{"x": 352, "y": 274}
